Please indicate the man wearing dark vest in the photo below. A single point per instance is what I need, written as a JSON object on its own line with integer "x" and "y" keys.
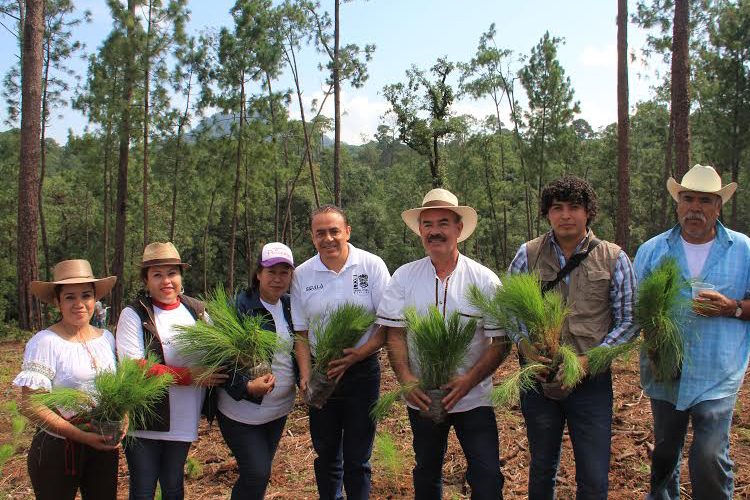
{"x": 598, "y": 283}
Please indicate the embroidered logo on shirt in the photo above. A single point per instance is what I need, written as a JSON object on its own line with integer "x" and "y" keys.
{"x": 312, "y": 288}
{"x": 360, "y": 284}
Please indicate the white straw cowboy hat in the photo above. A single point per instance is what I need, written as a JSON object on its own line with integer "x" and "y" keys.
{"x": 442, "y": 198}
{"x": 71, "y": 272}
{"x": 701, "y": 179}
{"x": 162, "y": 254}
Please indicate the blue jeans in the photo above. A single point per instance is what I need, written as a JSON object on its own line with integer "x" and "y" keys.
{"x": 477, "y": 433}
{"x": 588, "y": 413}
{"x": 710, "y": 466}
{"x": 342, "y": 434}
{"x": 254, "y": 447}
{"x": 152, "y": 460}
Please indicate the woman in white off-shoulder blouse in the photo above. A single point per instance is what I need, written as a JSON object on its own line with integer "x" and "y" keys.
{"x": 64, "y": 458}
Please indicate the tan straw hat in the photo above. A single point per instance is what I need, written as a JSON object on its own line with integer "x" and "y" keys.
{"x": 71, "y": 272}
{"x": 162, "y": 254}
{"x": 701, "y": 179}
{"x": 442, "y": 198}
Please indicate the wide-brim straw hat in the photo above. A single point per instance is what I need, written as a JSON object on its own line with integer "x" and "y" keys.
{"x": 442, "y": 198}
{"x": 162, "y": 254}
{"x": 701, "y": 179}
{"x": 71, "y": 272}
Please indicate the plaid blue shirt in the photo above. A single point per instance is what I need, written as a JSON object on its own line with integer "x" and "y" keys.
{"x": 622, "y": 288}
{"x": 716, "y": 349}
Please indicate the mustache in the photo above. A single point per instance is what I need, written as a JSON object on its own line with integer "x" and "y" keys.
{"x": 693, "y": 216}
{"x": 436, "y": 237}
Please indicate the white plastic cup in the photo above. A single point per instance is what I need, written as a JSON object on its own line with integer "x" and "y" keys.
{"x": 699, "y": 286}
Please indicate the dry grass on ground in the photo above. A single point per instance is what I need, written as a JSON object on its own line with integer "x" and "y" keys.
{"x": 292, "y": 476}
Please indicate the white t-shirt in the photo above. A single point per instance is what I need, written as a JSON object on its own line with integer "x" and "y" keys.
{"x": 185, "y": 401}
{"x": 51, "y": 361}
{"x": 696, "y": 255}
{"x": 317, "y": 290}
{"x": 416, "y": 284}
{"x": 280, "y": 400}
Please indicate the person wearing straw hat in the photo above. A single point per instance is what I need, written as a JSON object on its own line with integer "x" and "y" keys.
{"x": 441, "y": 279}
{"x": 597, "y": 283}
{"x": 63, "y": 457}
{"x": 146, "y": 328}
{"x": 716, "y": 342}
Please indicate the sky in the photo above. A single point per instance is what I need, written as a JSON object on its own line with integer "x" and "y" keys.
{"x": 417, "y": 32}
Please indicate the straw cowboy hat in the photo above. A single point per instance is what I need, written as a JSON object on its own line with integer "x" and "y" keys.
{"x": 442, "y": 198}
{"x": 71, "y": 272}
{"x": 701, "y": 179}
{"x": 162, "y": 254}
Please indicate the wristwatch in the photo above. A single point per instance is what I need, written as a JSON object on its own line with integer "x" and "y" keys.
{"x": 738, "y": 311}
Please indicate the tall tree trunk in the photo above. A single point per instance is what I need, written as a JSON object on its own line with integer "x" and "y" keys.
{"x": 28, "y": 181}
{"x": 666, "y": 173}
{"x": 121, "y": 203}
{"x": 680, "y": 80}
{"x": 205, "y": 237}
{"x": 437, "y": 177}
{"x": 622, "y": 232}
{"x": 178, "y": 158}
{"x": 336, "y": 108}
{"x": 521, "y": 154}
{"x": 107, "y": 194}
{"x": 43, "y": 160}
{"x": 146, "y": 118}
{"x": 308, "y": 146}
{"x": 236, "y": 192}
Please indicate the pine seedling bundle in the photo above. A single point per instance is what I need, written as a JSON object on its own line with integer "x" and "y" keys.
{"x": 231, "y": 341}
{"x": 659, "y": 302}
{"x": 523, "y": 310}
{"x": 439, "y": 346}
{"x": 129, "y": 391}
{"x": 337, "y": 330}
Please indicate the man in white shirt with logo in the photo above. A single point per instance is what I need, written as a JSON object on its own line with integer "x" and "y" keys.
{"x": 442, "y": 279}
{"x": 342, "y": 430}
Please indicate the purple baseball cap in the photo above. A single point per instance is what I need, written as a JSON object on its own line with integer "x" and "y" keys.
{"x": 276, "y": 253}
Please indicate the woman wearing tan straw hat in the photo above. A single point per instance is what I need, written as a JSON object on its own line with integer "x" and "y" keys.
{"x": 146, "y": 328}
{"x": 62, "y": 457}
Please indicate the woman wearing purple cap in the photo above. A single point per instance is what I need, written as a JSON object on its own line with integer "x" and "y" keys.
{"x": 252, "y": 419}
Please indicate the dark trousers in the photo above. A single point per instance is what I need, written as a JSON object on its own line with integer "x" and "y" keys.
{"x": 342, "y": 434}
{"x": 710, "y": 467}
{"x": 476, "y": 431}
{"x": 254, "y": 447}
{"x": 588, "y": 413}
{"x": 59, "y": 468}
{"x": 152, "y": 460}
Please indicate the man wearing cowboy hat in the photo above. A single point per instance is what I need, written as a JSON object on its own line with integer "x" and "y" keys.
{"x": 442, "y": 279}
{"x": 715, "y": 340}
{"x": 597, "y": 282}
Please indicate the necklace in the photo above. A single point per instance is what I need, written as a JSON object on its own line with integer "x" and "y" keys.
{"x": 78, "y": 338}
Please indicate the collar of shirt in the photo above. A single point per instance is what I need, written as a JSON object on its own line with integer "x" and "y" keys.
{"x": 558, "y": 250}
{"x": 351, "y": 260}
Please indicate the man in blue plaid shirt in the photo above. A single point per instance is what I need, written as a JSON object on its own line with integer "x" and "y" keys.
{"x": 715, "y": 338}
{"x": 599, "y": 292}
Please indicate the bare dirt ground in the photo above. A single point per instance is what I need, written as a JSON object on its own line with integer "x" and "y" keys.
{"x": 293, "y": 478}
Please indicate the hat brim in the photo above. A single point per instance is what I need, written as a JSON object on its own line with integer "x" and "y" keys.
{"x": 276, "y": 260}
{"x": 164, "y": 262}
{"x": 468, "y": 217}
{"x": 45, "y": 290}
{"x": 725, "y": 193}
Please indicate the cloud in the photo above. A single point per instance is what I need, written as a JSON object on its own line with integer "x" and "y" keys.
{"x": 360, "y": 114}
{"x": 599, "y": 56}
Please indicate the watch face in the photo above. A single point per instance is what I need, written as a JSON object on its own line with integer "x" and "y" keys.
{"x": 738, "y": 312}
